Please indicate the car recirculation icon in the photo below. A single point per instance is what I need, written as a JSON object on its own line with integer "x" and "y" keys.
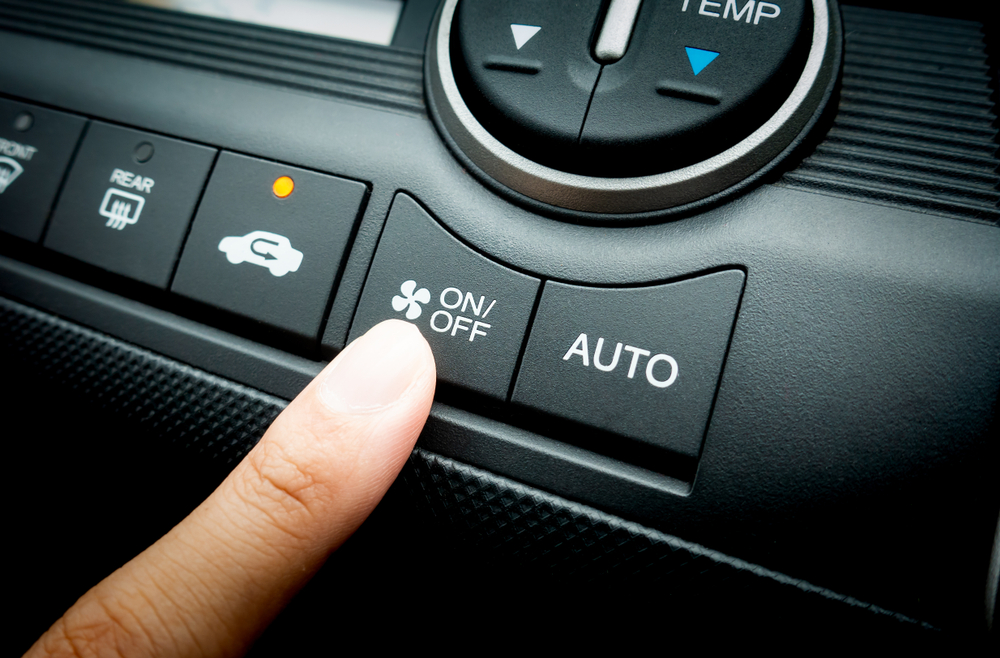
{"x": 269, "y": 250}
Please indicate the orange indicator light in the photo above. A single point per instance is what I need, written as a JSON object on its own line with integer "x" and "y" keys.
{"x": 283, "y": 187}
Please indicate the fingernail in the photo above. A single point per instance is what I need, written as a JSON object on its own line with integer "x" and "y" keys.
{"x": 375, "y": 370}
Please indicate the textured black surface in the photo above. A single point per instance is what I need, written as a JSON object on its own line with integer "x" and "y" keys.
{"x": 526, "y": 527}
{"x": 210, "y": 416}
{"x": 916, "y": 122}
{"x": 359, "y": 72}
{"x": 457, "y": 519}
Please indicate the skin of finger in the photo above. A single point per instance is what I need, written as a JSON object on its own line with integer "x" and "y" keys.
{"x": 214, "y": 582}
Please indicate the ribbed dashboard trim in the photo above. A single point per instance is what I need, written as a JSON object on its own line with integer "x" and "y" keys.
{"x": 374, "y": 75}
{"x": 916, "y": 124}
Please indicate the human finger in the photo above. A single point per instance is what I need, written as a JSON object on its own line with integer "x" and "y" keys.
{"x": 214, "y": 582}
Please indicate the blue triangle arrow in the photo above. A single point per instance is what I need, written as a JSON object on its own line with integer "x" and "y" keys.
{"x": 700, "y": 58}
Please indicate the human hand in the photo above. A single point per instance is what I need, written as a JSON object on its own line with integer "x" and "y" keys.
{"x": 212, "y": 584}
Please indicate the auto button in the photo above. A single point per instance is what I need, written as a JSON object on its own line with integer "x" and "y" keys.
{"x": 642, "y": 363}
{"x": 472, "y": 311}
{"x": 267, "y": 243}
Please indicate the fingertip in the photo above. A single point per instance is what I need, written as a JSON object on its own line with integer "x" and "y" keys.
{"x": 378, "y": 369}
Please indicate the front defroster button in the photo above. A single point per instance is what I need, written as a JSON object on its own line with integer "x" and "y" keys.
{"x": 35, "y": 148}
{"x": 642, "y": 363}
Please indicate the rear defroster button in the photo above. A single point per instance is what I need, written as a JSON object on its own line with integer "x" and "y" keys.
{"x": 128, "y": 201}
{"x": 642, "y": 363}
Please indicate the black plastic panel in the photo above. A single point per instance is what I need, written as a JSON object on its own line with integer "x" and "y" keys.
{"x": 853, "y": 441}
{"x": 461, "y": 521}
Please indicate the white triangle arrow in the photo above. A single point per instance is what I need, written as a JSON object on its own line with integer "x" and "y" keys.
{"x": 523, "y": 33}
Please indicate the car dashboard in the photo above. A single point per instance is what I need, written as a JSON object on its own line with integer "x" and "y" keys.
{"x": 676, "y": 390}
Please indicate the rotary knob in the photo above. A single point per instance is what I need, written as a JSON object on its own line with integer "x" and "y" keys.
{"x": 629, "y": 106}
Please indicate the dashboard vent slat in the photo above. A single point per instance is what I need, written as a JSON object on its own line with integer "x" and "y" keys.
{"x": 362, "y": 73}
{"x": 916, "y": 125}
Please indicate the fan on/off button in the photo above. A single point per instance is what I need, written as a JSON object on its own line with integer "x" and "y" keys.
{"x": 472, "y": 311}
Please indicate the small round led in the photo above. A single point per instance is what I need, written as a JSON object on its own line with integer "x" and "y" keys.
{"x": 23, "y": 122}
{"x": 283, "y": 187}
{"x": 143, "y": 153}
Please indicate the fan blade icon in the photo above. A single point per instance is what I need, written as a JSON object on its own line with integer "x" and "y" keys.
{"x": 411, "y": 299}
